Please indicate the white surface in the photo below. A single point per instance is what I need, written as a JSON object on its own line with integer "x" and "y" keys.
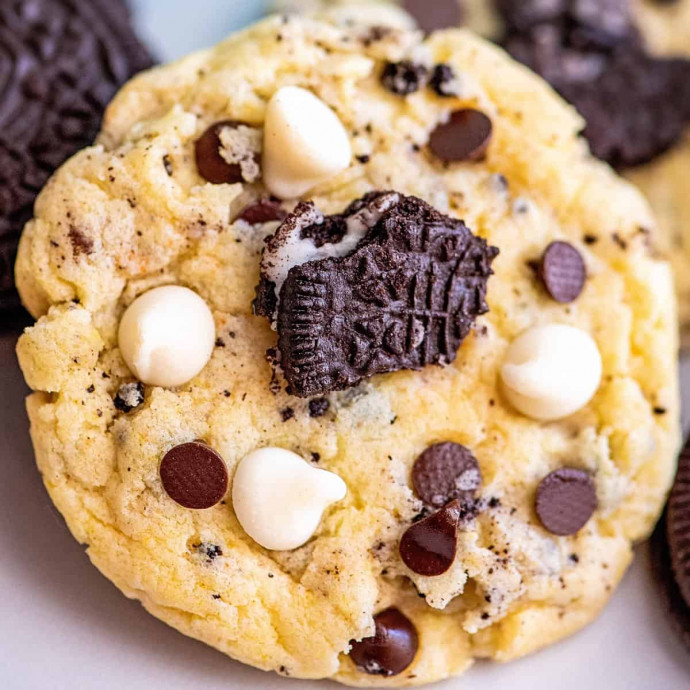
{"x": 65, "y": 627}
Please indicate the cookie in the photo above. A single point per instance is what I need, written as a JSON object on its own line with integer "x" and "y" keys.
{"x": 635, "y": 101}
{"x": 660, "y": 564}
{"x": 61, "y": 62}
{"x": 415, "y": 432}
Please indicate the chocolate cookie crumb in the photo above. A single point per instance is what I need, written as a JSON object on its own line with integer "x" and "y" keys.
{"x": 404, "y": 78}
{"x": 318, "y": 407}
{"x": 129, "y": 396}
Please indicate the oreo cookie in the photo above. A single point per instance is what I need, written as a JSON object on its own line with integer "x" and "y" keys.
{"x": 670, "y": 550}
{"x": 636, "y": 106}
{"x": 61, "y": 61}
{"x": 390, "y": 284}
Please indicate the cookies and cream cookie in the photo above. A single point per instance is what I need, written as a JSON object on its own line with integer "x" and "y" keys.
{"x": 437, "y": 403}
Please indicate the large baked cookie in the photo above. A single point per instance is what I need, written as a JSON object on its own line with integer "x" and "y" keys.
{"x": 445, "y": 452}
{"x": 597, "y": 55}
{"x": 61, "y": 61}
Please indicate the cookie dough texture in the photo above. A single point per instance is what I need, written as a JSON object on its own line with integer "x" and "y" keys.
{"x": 131, "y": 213}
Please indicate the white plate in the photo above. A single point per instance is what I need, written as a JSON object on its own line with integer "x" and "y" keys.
{"x": 65, "y": 627}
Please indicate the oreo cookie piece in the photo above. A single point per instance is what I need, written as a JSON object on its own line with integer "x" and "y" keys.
{"x": 390, "y": 284}
{"x": 678, "y": 527}
{"x": 674, "y": 602}
{"x": 636, "y": 106}
{"x": 61, "y": 61}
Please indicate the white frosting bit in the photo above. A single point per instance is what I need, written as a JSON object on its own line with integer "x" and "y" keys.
{"x": 305, "y": 143}
{"x": 279, "y": 498}
{"x": 551, "y": 371}
{"x": 291, "y": 249}
{"x": 166, "y": 336}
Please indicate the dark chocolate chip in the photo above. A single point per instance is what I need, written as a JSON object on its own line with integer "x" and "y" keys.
{"x": 194, "y": 475}
{"x": 391, "y": 649}
{"x": 129, "y": 396}
{"x": 61, "y": 63}
{"x": 287, "y": 413}
{"x": 435, "y": 15}
{"x": 318, "y": 407}
{"x": 443, "y": 81}
{"x": 445, "y": 471}
{"x": 406, "y": 297}
{"x": 404, "y": 78}
{"x": 210, "y": 164}
{"x": 566, "y": 500}
{"x": 562, "y": 271}
{"x": 465, "y": 137}
{"x": 262, "y": 211}
{"x": 428, "y": 547}
{"x": 678, "y": 530}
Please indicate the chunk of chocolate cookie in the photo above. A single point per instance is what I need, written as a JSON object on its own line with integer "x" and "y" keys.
{"x": 398, "y": 285}
{"x": 678, "y": 527}
{"x": 61, "y": 61}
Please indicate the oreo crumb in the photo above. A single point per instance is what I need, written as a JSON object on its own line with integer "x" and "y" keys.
{"x": 404, "y": 78}
{"x": 318, "y": 407}
{"x": 129, "y": 396}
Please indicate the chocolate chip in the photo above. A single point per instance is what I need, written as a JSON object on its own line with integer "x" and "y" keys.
{"x": 129, "y": 396}
{"x": 404, "y": 78}
{"x": 287, "y": 413}
{"x": 465, "y": 137}
{"x": 210, "y": 164}
{"x": 562, "y": 271}
{"x": 318, "y": 407}
{"x": 405, "y": 297}
{"x": 445, "y": 471}
{"x": 444, "y": 81}
{"x": 391, "y": 649}
{"x": 194, "y": 475}
{"x": 435, "y": 15}
{"x": 678, "y": 527}
{"x": 262, "y": 211}
{"x": 428, "y": 547}
{"x": 566, "y": 500}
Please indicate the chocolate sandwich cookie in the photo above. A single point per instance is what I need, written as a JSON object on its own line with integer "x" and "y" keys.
{"x": 61, "y": 61}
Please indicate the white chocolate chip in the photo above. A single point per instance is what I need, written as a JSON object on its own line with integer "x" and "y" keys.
{"x": 167, "y": 335}
{"x": 551, "y": 371}
{"x": 279, "y": 498}
{"x": 304, "y": 143}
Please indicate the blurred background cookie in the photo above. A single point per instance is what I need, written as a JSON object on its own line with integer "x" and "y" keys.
{"x": 61, "y": 62}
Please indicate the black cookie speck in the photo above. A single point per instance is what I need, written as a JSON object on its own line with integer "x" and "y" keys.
{"x": 129, "y": 396}
{"x": 404, "y": 78}
{"x": 406, "y": 297}
{"x": 318, "y": 407}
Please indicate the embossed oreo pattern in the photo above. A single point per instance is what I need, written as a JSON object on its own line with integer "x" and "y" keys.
{"x": 405, "y": 298}
{"x": 61, "y": 62}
